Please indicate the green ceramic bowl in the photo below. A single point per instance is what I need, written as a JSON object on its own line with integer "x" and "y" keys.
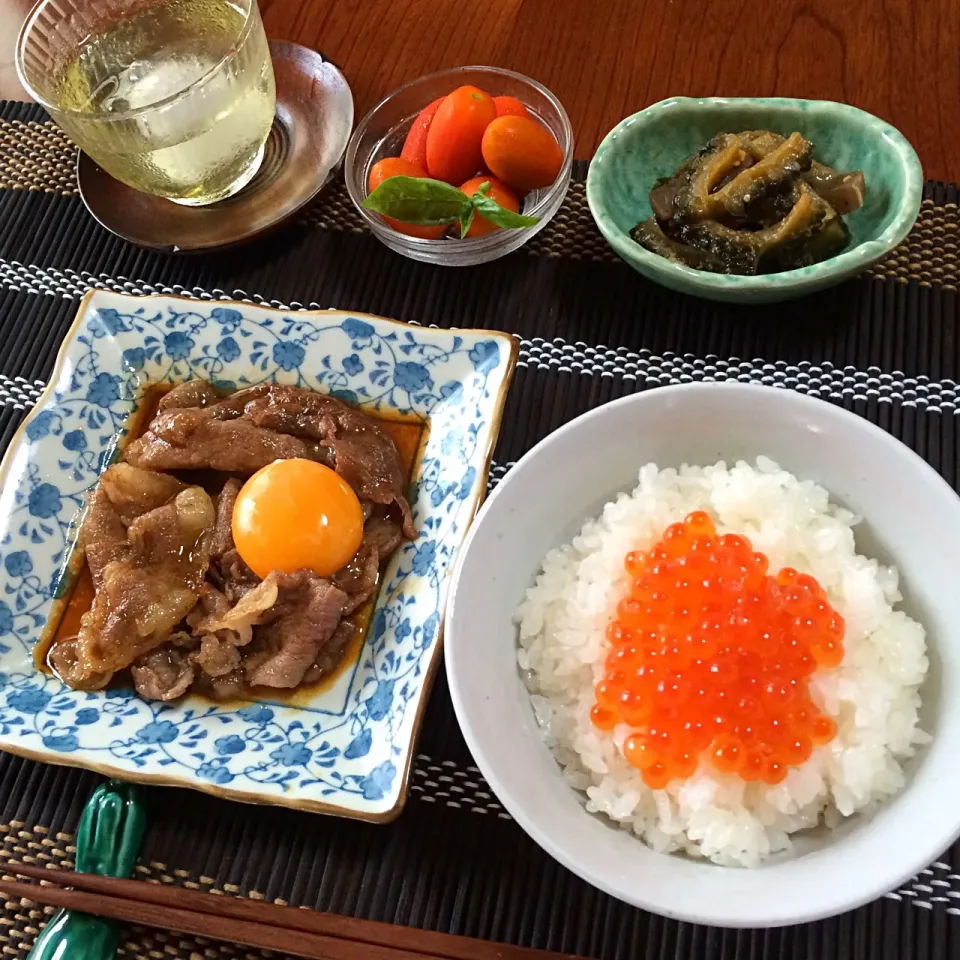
{"x": 653, "y": 143}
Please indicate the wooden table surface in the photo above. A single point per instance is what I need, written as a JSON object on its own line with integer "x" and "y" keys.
{"x": 899, "y": 59}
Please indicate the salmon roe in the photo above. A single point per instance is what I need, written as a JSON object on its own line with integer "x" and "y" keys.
{"x": 711, "y": 657}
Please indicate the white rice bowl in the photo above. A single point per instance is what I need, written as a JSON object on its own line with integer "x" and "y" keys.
{"x": 873, "y": 695}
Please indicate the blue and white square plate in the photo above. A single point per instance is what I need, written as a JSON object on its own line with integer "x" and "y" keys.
{"x": 346, "y": 749}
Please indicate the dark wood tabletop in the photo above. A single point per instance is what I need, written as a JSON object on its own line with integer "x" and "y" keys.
{"x": 899, "y": 59}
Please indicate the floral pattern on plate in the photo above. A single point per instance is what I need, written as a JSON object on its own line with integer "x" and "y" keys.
{"x": 345, "y": 749}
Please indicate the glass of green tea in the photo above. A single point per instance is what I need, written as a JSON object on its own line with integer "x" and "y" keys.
{"x": 173, "y": 97}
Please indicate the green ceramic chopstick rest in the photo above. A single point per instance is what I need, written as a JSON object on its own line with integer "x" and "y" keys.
{"x": 108, "y": 843}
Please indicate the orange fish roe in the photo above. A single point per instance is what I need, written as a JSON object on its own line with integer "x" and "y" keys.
{"x": 711, "y": 656}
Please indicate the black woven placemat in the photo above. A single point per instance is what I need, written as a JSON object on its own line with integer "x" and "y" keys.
{"x": 591, "y": 330}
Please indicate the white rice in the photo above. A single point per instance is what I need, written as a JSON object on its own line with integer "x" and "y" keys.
{"x": 873, "y": 696}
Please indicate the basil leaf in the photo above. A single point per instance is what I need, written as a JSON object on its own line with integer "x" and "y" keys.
{"x": 500, "y": 215}
{"x": 466, "y": 220}
{"x": 418, "y": 200}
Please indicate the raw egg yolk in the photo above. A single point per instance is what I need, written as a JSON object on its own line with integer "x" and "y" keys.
{"x": 294, "y": 515}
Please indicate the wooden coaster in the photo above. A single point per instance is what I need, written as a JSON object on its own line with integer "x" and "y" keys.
{"x": 310, "y": 131}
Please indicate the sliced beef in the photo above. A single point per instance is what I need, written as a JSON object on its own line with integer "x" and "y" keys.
{"x": 175, "y": 532}
{"x": 239, "y": 619}
{"x": 374, "y": 472}
{"x": 364, "y": 454}
{"x": 123, "y": 494}
{"x": 222, "y": 540}
{"x": 217, "y": 657}
{"x": 306, "y": 615}
{"x": 359, "y": 578}
{"x": 184, "y": 640}
{"x": 234, "y": 577}
{"x": 229, "y": 408}
{"x": 210, "y": 603}
{"x": 229, "y": 686}
{"x": 64, "y": 660}
{"x": 384, "y": 534}
{"x": 229, "y": 626}
{"x": 134, "y": 610}
{"x": 103, "y": 535}
{"x": 193, "y": 439}
{"x": 301, "y": 413}
{"x": 251, "y": 428}
{"x": 163, "y": 674}
{"x": 145, "y": 594}
{"x": 331, "y": 653}
{"x": 133, "y": 491}
{"x": 193, "y": 393}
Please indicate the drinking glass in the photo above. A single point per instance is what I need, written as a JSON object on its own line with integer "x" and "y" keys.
{"x": 173, "y": 97}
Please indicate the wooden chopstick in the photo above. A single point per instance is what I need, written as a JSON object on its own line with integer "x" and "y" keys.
{"x": 305, "y": 933}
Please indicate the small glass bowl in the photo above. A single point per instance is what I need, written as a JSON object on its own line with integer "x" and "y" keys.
{"x": 381, "y": 134}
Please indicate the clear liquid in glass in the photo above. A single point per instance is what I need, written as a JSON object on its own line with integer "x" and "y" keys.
{"x": 206, "y": 142}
